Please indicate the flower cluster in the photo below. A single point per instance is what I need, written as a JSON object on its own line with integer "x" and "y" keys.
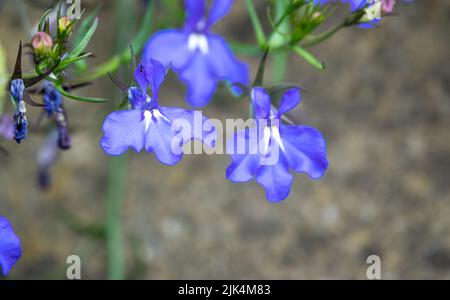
{"x": 51, "y": 57}
{"x": 269, "y": 153}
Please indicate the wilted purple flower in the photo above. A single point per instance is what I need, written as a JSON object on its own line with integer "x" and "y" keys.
{"x": 10, "y": 250}
{"x": 151, "y": 126}
{"x": 266, "y": 153}
{"x": 53, "y": 106}
{"x": 199, "y": 57}
{"x": 17, "y": 89}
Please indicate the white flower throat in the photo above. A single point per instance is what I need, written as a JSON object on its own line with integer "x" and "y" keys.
{"x": 272, "y": 132}
{"x": 198, "y": 41}
{"x": 151, "y": 115}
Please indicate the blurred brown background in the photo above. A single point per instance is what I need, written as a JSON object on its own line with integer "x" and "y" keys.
{"x": 383, "y": 105}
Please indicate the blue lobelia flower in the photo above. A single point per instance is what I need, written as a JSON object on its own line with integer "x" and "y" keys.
{"x": 158, "y": 129}
{"x": 268, "y": 151}
{"x": 199, "y": 57}
{"x": 10, "y": 250}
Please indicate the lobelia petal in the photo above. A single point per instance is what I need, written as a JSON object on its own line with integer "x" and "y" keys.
{"x": 191, "y": 125}
{"x": 195, "y": 12}
{"x": 163, "y": 141}
{"x": 123, "y": 130}
{"x": 262, "y": 103}
{"x": 219, "y": 9}
{"x": 276, "y": 180}
{"x": 289, "y": 101}
{"x": 243, "y": 150}
{"x": 223, "y": 62}
{"x": 201, "y": 84}
{"x": 169, "y": 47}
{"x": 10, "y": 249}
{"x": 151, "y": 73}
{"x": 305, "y": 150}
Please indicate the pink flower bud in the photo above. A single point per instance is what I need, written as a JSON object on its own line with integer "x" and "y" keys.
{"x": 42, "y": 44}
{"x": 388, "y": 6}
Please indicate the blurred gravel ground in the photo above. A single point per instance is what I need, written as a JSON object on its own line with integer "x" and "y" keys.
{"x": 383, "y": 105}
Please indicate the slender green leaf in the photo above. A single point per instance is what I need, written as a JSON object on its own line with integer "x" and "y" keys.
{"x": 68, "y": 61}
{"x": 85, "y": 41}
{"x": 43, "y": 20}
{"x": 79, "y": 98}
{"x": 84, "y": 26}
{"x": 308, "y": 57}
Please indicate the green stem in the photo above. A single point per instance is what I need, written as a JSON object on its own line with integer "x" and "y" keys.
{"x": 321, "y": 37}
{"x": 117, "y": 166}
{"x": 115, "y": 196}
{"x": 278, "y": 39}
{"x": 279, "y": 65}
{"x": 259, "y": 32}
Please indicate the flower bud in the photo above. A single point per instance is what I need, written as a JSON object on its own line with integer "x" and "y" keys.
{"x": 42, "y": 44}
{"x": 65, "y": 26}
{"x": 387, "y": 6}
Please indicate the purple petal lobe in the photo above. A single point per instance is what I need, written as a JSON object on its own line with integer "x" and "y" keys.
{"x": 122, "y": 130}
{"x": 276, "y": 180}
{"x": 219, "y": 9}
{"x": 150, "y": 73}
{"x": 243, "y": 150}
{"x": 191, "y": 125}
{"x": 168, "y": 47}
{"x": 200, "y": 81}
{"x": 305, "y": 150}
{"x": 10, "y": 249}
{"x": 224, "y": 64}
{"x": 261, "y": 102}
{"x": 195, "y": 10}
{"x": 163, "y": 140}
{"x": 289, "y": 101}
